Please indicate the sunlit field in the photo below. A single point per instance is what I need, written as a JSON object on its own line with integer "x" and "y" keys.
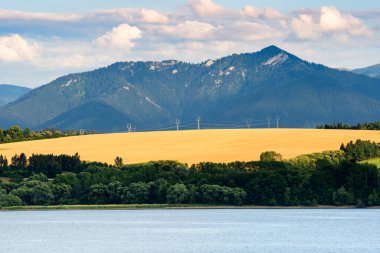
{"x": 192, "y": 146}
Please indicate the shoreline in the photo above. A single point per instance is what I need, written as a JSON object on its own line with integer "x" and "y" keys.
{"x": 165, "y": 207}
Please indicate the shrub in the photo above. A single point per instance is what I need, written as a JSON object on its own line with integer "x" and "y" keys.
{"x": 177, "y": 194}
{"x": 136, "y": 193}
{"x": 342, "y": 197}
{"x": 270, "y": 156}
{"x": 374, "y": 199}
{"x": 10, "y": 200}
{"x": 215, "y": 194}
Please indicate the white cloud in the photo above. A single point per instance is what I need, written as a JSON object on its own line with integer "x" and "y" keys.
{"x": 254, "y": 31}
{"x": 99, "y": 16}
{"x": 305, "y": 27}
{"x": 190, "y": 30}
{"x": 271, "y": 13}
{"x": 268, "y": 13}
{"x": 121, "y": 14}
{"x": 14, "y": 48}
{"x": 198, "y": 51}
{"x": 332, "y": 20}
{"x": 251, "y": 11}
{"x": 120, "y": 37}
{"x": 152, "y": 16}
{"x": 328, "y": 20}
{"x": 11, "y": 14}
{"x": 206, "y": 7}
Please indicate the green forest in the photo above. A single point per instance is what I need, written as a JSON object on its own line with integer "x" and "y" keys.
{"x": 327, "y": 178}
{"x": 16, "y": 134}
{"x": 361, "y": 126}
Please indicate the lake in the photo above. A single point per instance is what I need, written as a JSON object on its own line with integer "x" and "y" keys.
{"x": 191, "y": 230}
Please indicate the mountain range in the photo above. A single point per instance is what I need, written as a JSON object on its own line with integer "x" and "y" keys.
{"x": 372, "y": 71}
{"x": 236, "y": 90}
{"x": 9, "y": 93}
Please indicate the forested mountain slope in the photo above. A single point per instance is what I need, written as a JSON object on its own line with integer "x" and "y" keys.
{"x": 230, "y": 90}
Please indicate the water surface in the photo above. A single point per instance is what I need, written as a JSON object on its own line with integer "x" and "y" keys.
{"x": 219, "y": 231}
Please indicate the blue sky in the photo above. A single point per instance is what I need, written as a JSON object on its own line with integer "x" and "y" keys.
{"x": 41, "y": 40}
{"x": 166, "y": 5}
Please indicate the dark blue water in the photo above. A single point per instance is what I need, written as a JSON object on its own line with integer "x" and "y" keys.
{"x": 283, "y": 230}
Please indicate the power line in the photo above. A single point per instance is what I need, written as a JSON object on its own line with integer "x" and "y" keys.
{"x": 191, "y": 125}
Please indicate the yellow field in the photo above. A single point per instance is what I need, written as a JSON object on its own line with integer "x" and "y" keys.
{"x": 192, "y": 146}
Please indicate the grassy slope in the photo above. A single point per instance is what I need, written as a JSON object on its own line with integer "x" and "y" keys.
{"x": 375, "y": 161}
{"x": 193, "y": 146}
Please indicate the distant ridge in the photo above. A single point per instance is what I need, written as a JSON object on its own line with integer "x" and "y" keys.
{"x": 371, "y": 71}
{"x": 9, "y": 93}
{"x": 228, "y": 92}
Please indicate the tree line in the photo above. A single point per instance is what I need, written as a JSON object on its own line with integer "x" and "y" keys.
{"x": 360, "y": 126}
{"x": 327, "y": 178}
{"x": 16, "y": 134}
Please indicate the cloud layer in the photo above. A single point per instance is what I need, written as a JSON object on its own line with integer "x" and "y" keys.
{"x": 197, "y": 30}
{"x": 14, "y": 48}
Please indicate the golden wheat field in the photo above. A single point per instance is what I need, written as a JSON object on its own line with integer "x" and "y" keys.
{"x": 192, "y": 146}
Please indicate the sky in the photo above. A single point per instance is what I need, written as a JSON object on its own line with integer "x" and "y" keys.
{"x": 41, "y": 40}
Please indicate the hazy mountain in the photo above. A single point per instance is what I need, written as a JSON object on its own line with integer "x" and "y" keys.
{"x": 223, "y": 92}
{"x": 372, "y": 71}
{"x": 9, "y": 93}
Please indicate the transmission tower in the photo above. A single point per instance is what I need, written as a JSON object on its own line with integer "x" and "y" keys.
{"x": 177, "y": 123}
{"x": 248, "y": 125}
{"x": 129, "y": 126}
{"x": 199, "y": 122}
{"x": 278, "y": 121}
{"x": 268, "y": 120}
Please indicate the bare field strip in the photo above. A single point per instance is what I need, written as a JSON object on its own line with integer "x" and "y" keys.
{"x": 192, "y": 146}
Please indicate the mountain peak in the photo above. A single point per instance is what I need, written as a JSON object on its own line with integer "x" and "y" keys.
{"x": 273, "y": 55}
{"x": 272, "y": 50}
